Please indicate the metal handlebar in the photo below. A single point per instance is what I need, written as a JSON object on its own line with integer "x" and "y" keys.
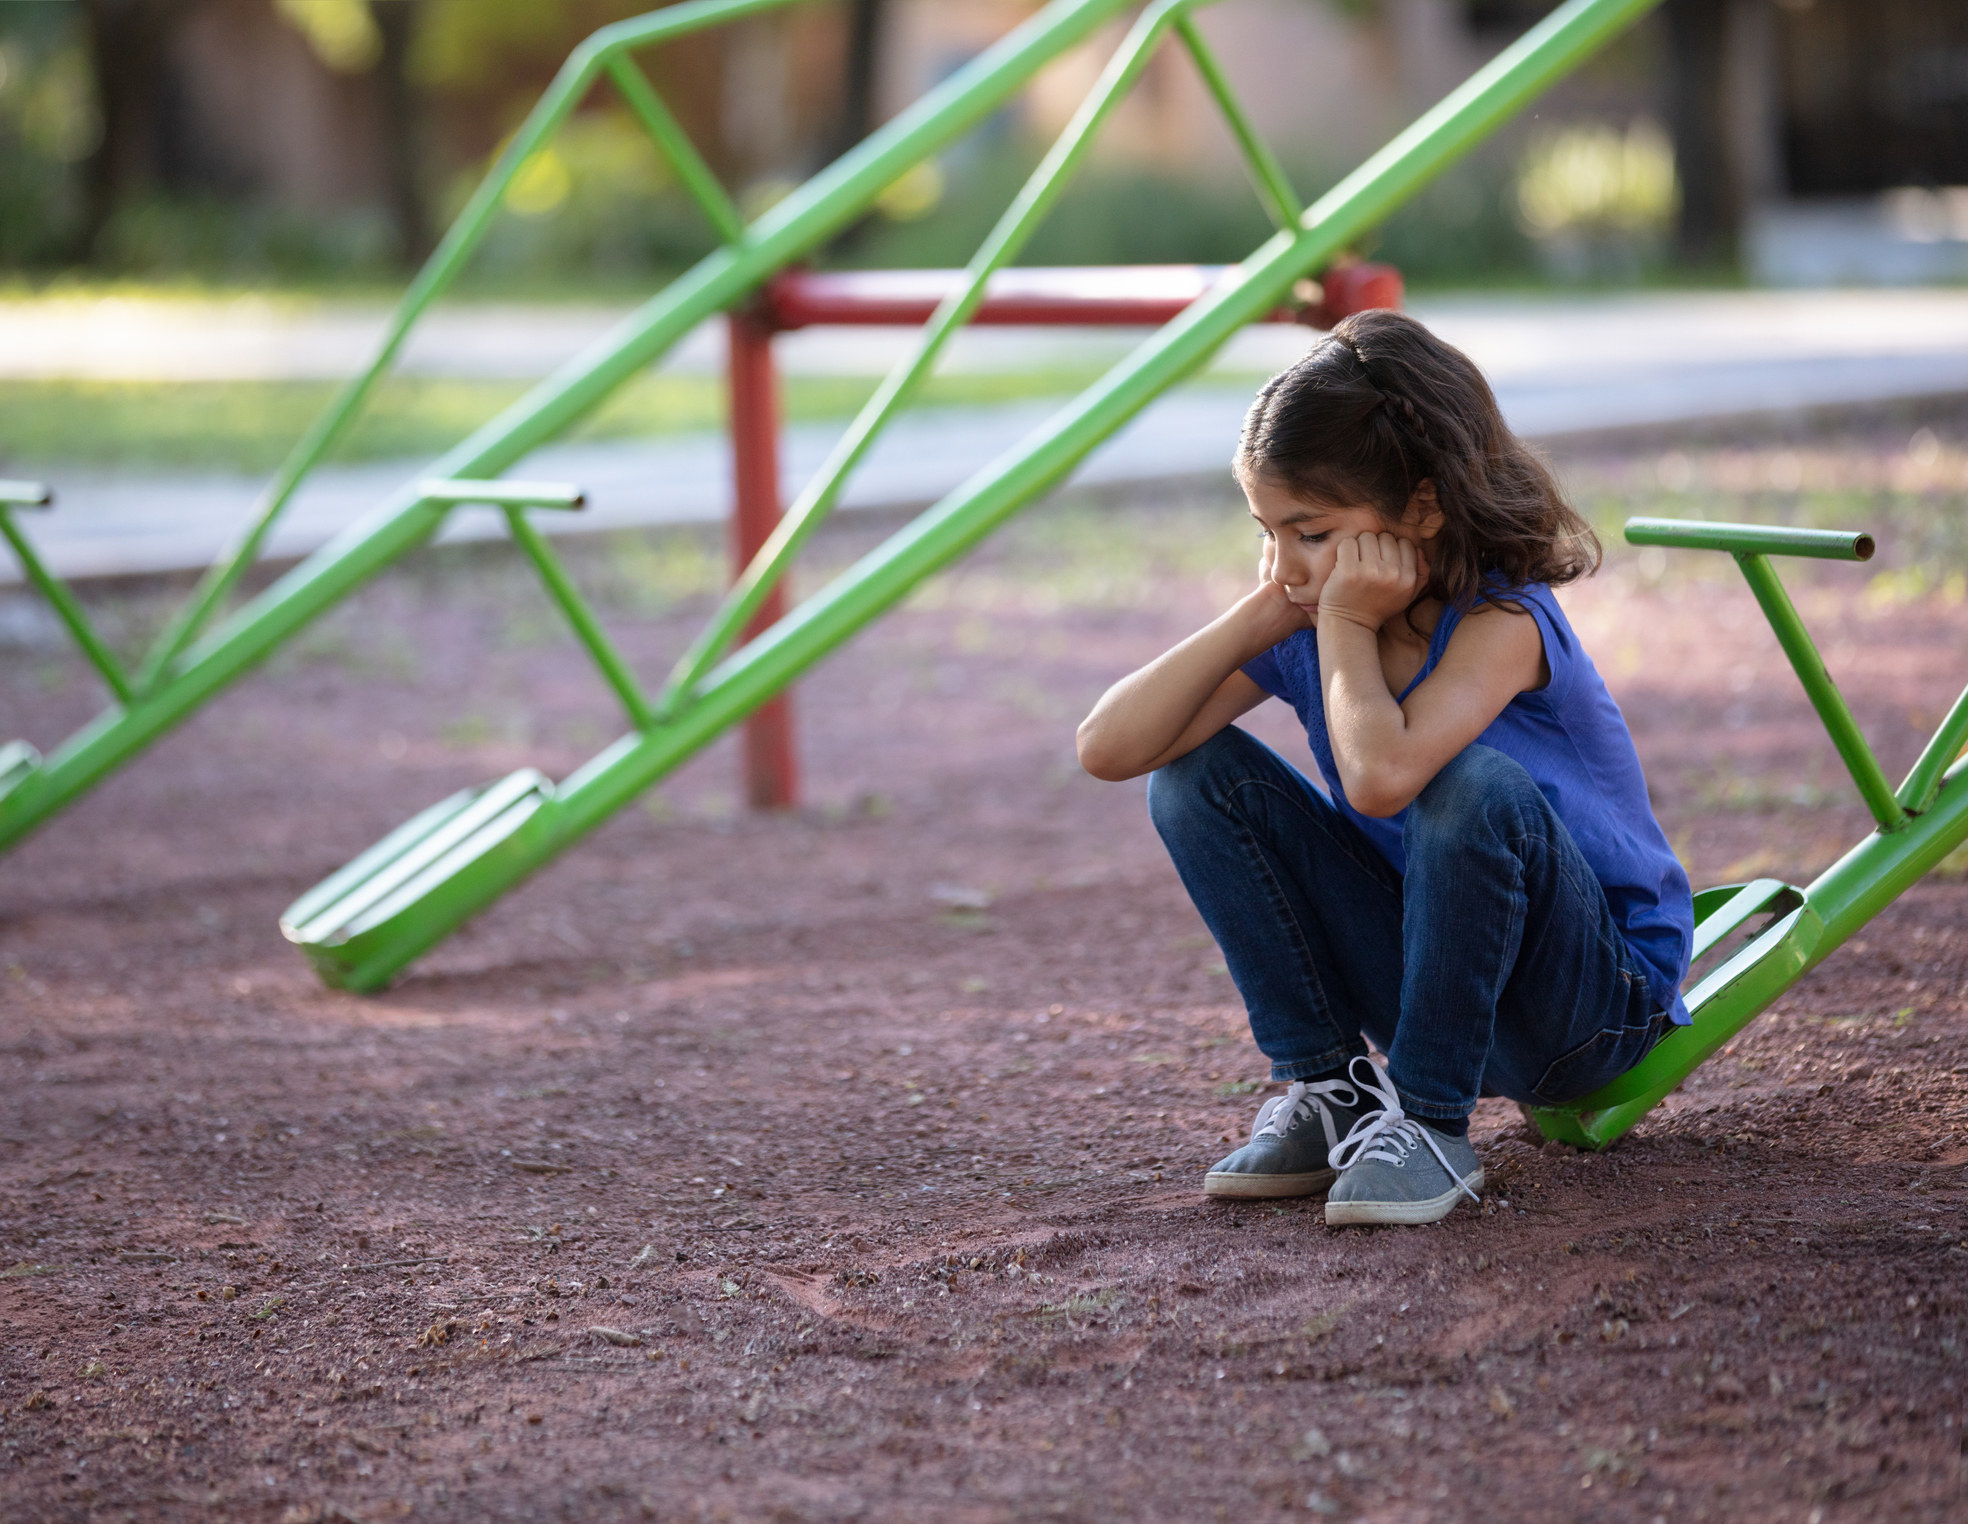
{"x": 1752, "y": 539}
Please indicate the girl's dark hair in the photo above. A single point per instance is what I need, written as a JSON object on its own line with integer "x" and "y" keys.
{"x": 1381, "y": 405}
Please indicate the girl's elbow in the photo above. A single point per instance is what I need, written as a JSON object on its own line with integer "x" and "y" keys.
{"x": 1378, "y": 796}
{"x": 1099, "y": 760}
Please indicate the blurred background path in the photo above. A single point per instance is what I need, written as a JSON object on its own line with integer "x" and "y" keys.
{"x": 1561, "y": 364}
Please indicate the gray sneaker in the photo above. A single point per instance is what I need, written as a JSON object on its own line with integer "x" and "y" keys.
{"x": 1286, "y": 1155}
{"x": 1396, "y": 1169}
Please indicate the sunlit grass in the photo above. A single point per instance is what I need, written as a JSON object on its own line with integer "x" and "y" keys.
{"x": 250, "y": 426}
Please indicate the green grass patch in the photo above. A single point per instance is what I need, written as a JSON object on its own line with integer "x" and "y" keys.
{"x": 251, "y": 425}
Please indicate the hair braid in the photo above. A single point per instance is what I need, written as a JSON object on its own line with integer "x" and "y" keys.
{"x": 1406, "y": 409}
{"x": 1392, "y": 399}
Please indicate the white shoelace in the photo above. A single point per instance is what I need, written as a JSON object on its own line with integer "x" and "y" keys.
{"x": 1309, "y": 1098}
{"x": 1388, "y": 1134}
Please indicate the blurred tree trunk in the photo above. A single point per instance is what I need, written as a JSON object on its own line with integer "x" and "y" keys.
{"x": 860, "y": 76}
{"x": 1698, "y": 39}
{"x": 127, "y": 42}
{"x": 402, "y": 130}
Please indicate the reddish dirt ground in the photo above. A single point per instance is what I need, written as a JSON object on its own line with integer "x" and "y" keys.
{"x": 874, "y": 1132}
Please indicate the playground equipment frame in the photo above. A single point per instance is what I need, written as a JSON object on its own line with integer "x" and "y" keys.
{"x": 711, "y": 688}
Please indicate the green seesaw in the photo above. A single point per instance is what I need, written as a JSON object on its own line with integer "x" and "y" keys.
{"x": 366, "y": 923}
{"x": 1790, "y": 930}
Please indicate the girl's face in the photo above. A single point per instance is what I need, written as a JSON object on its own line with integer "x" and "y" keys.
{"x": 1301, "y": 539}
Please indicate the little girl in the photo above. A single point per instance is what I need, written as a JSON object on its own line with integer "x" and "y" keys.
{"x": 1482, "y": 889}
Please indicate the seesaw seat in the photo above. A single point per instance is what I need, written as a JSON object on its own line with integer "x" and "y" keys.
{"x": 367, "y": 910}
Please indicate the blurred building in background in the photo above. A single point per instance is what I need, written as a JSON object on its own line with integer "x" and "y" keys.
{"x": 1810, "y": 139}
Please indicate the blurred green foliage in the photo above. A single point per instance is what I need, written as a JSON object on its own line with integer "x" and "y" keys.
{"x": 598, "y": 199}
{"x": 48, "y": 125}
{"x": 599, "y": 203}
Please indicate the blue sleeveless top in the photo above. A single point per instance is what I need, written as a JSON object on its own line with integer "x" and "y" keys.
{"x": 1571, "y": 738}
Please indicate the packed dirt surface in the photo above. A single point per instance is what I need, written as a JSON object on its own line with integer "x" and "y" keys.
{"x": 846, "y": 1164}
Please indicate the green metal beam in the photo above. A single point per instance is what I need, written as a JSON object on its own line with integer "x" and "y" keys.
{"x": 587, "y": 628}
{"x": 1750, "y": 544}
{"x": 502, "y": 494}
{"x": 74, "y": 618}
{"x": 25, "y": 495}
{"x": 1274, "y": 187}
{"x": 1751, "y": 539}
{"x": 460, "y": 241}
{"x": 704, "y": 187}
{"x": 1836, "y": 904}
{"x": 1825, "y": 697}
{"x": 1917, "y": 792}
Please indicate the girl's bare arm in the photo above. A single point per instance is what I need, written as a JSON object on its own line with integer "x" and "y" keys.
{"x": 1186, "y": 695}
{"x": 1387, "y": 752}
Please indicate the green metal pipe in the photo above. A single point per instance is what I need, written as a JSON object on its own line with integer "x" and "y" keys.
{"x": 1886, "y": 864}
{"x": 586, "y": 627}
{"x": 503, "y": 494}
{"x": 1825, "y": 697}
{"x": 1751, "y": 539}
{"x": 817, "y": 499}
{"x": 704, "y": 187}
{"x": 1917, "y": 792}
{"x": 25, "y": 495}
{"x": 61, "y": 599}
{"x": 876, "y": 583}
{"x": 790, "y": 230}
{"x": 1274, "y": 187}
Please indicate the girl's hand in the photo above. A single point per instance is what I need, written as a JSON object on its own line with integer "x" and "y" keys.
{"x": 1268, "y": 610}
{"x": 1374, "y": 577}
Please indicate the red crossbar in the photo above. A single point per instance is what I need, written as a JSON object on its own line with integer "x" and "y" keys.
{"x": 1124, "y": 296}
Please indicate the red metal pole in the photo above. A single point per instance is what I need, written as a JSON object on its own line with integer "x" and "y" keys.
{"x": 771, "y": 765}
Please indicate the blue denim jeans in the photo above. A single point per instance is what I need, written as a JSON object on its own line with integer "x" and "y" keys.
{"x": 1493, "y": 967}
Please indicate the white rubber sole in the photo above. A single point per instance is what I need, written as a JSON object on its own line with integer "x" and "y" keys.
{"x": 1340, "y": 1214}
{"x": 1266, "y": 1187}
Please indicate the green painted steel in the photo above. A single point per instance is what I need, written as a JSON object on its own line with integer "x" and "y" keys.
{"x": 15, "y": 495}
{"x": 1807, "y": 924}
{"x": 514, "y": 498}
{"x": 25, "y": 495}
{"x": 503, "y": 494}
{"x": 468, "y": 874}
{"x": 1751, "y": 539}
{"x": 587, "y": 628}
{"x": 704, "y": 187}
{"x": 179, "y": 676}
{"x": 1916, "y": 793}
{"x": 1832, "y": 709}
{"x": 1274, "y": 187}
